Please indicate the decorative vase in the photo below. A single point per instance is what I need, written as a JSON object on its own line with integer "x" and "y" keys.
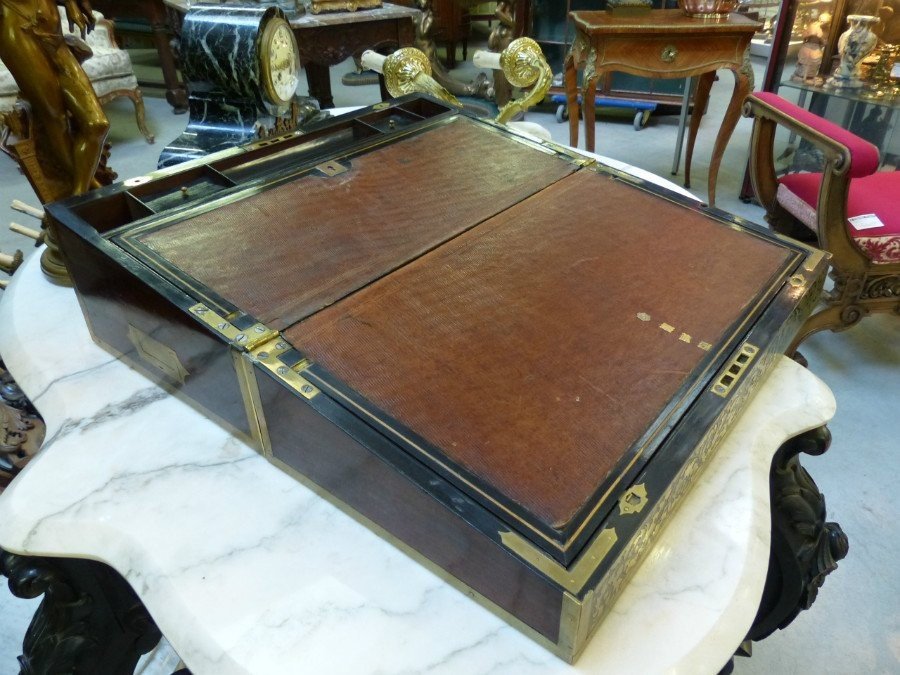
{"x": 854, "y": 45}
{"x": 708, "y": 9}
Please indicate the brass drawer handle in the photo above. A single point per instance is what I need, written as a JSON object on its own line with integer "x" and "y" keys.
{"x": 668, "y": 54}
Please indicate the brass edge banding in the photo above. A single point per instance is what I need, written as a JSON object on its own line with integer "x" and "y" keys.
{"x": 256, "y": 418}
{"x": 815, "y": 258}
{"x": 599, "y": 600}
{"x": 572, "y": 631}
{"x": 573, "y": 578}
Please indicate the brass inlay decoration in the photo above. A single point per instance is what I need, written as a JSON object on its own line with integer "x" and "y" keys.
{"x": 735, "y": 369}
{"x": 267, "y": 356}
{"x": 634, "y": 500}
{"x": 244, "y": 340}
{"x": 668, "y": 54}
{"x": 158, "y": 355}
{"x": 332, "y": 168}
{"x": 256, "y": 419}
{"x": 571, "y": 578}
{"x": 683, "y": 337}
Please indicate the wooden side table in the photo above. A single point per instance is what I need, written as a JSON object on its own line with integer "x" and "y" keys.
{"x": 326, "y": 40}
{"x": 662, "y": 43}
{"x": 154, "y": 12}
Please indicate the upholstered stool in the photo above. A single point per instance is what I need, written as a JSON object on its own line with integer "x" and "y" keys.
{"x": 109, "y": 70}
{"x": 865, "y": 262}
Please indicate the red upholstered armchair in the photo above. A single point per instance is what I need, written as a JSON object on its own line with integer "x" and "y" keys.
{"x": 865, "y": 262}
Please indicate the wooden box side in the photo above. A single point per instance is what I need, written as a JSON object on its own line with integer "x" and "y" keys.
{"x": 317, "y": 440}
{"x": 144, "y": 322}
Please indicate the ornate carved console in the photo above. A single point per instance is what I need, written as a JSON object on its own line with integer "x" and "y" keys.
{"x": 89, "y": 621}
{"x": 21, "y": 429}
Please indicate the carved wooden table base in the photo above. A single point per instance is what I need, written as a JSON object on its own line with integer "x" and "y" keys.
{"x": 805, "y": 547}
{"x": 90, "y": 621}
{"x": 21, "y": 429}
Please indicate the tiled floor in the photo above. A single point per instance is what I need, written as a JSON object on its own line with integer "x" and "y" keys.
{"x": 854, "y": 627}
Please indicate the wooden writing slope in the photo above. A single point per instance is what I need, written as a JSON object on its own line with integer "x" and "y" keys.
{"x": 508, "y": 358}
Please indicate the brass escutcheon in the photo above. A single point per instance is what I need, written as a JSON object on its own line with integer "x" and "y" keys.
{"x": 668, "y": 54}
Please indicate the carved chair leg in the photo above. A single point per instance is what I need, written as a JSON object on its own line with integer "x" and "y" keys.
{"x": 833, "y": 317}
{"x": 89, "y": 621}
{"x": 140, "y": 115}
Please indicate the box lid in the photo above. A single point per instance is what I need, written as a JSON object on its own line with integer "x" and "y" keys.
{"x": 526, "y": 324}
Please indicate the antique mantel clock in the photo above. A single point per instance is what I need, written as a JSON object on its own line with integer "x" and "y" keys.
{"x": 242, "y": 67}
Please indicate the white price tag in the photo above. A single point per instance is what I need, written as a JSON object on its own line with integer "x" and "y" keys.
{"x": 868, "y": 221}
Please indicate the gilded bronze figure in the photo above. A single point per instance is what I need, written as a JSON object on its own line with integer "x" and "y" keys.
{"x": 61, "y": 133}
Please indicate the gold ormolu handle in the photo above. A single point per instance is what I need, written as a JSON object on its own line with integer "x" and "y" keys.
{"x": 523, "y": 64}
{"x": 408, "y": 70}
{"x": 668, "y": 53}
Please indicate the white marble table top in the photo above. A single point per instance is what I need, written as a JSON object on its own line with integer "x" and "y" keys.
{"x": 247, "y": 571}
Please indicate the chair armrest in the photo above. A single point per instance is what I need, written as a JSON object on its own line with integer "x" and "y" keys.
{"x": 850, "y": 153}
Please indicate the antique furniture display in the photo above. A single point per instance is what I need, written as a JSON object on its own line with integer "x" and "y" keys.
{"x": 849, "y": 208}
{"x": 242, "y": 67}
{"x": 870, "y": 110}
{"x": 660, "y": 44}
{"x": 497, "y": 453}
{"x": 154, "y": 18}
{"x": 554, "y": 31}
{"x": 452, "y": 26}
{"x": 108, "y": 68}
{"x": 189, "y": 515}
{"x": 408, "y": 70}
{"x": 327, "y": 39}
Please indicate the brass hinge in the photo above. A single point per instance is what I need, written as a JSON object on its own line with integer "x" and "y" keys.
{"x": 244, "y": 340}
{"x": 267, "y": 355}
{"x": 734, "y": 370}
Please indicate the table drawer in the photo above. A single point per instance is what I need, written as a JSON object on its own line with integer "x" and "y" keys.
{"x": 652, "y": 56}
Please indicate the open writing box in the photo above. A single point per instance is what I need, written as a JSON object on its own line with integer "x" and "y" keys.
{"x": 510, "y": 360}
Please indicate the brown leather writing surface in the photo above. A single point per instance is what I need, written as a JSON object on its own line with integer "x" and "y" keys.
{"x": 535, "y": 349}
{"x": 291, "y": 250}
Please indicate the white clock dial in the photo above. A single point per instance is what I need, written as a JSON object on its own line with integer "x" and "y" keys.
{"x": 280, "y": 62}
